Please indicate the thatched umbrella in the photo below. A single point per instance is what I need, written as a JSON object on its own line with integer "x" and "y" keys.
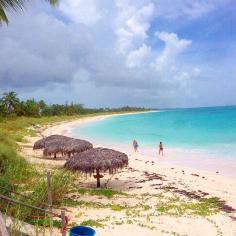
{"x": 97, "y": 160}
{"x": 55, "y": 144}
{"x": 40, "y": 144}
{"x": 53, "y": 147}
{"x": 76, "y": 146}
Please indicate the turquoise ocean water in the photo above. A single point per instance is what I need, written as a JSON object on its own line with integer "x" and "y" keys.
{"x": 211, "y": 129}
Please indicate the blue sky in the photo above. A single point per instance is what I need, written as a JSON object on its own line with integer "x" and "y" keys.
{"x": 152, "y": 53}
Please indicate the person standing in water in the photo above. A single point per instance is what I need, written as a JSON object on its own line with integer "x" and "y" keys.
{"x": 161, "y": 149}
{"x": 135, "y": 145}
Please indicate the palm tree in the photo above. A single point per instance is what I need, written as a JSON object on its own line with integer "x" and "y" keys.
{"x": 14, "y": 5}
{"x": 10, "y": 100}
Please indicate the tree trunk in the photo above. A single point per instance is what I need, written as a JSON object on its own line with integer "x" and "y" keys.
{"x": 98, "y": 178}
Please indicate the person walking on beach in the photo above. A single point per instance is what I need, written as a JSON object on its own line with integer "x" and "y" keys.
{"x": 135, "y": 145}
{"x": 161, "y": 149}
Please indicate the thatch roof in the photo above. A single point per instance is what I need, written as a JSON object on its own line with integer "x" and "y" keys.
{"x": 41, "y": 143}
{"x": 101, "y": 159}
{"x": 55, "y": 144}
{"x": 76, "y": 146}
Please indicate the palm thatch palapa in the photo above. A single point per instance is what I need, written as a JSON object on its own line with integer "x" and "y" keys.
{"x": 55, "y": 144}
{"x": 97, "y": 160}
{"x": 41, "y": 143}
{"x": 74, "y": 146}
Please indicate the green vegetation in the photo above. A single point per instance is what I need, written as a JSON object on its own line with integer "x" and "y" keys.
{"x": 109, "y": 193}
{"x": 90, "y": 204}
{"x": 117, "y": 207}
{"x": 92, "y": 223}
{"x": 11, "y": 105}
{"x": 203, "y": 207}
{"x": 44, "y": 222}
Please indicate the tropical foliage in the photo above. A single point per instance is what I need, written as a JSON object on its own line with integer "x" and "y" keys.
{"x": 14, "y": 5}
{"x": 11, "y": 105}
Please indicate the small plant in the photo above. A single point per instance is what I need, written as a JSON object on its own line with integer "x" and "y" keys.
{"x": 146, "y": 207}
{"x": 204, "y": 207}
{"x": 109, "y": 193}
{"x": 117, "y": 207}
{"x": 92, "y": 223}
{"x": 119, "y": 222}
{"x": 44, "y": 222}
{"x": 129, "y": 222}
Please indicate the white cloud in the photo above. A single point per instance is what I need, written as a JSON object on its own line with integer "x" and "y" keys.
{"x": 81, "y": 11}
{"x": 139, "y": 23}
{"x": 136, "y": 57}
{"x": 173, "y": 47}
{"x": 131, "y": 24}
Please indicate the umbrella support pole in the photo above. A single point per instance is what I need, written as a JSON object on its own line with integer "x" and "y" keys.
{"x": 98, "y": 178}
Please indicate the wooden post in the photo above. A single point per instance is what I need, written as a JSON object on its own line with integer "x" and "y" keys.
{"x": 50, "y": 200}
{"x": 98, "y": 178}
{"x": 3, "y": 229}
{"x": 63, "y": 223}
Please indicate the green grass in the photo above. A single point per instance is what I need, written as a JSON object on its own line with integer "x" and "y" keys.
{"x": 117, "y": 207}
{"x": 92, "y": 223}
{"x": 44, "y": 222}
{"x": 203, "y": 207}
{"x": 74, "y": 203}
{"x": 109, "y": 193}
{"x": 89, "y": 204}
{"x": 17, "y": 174}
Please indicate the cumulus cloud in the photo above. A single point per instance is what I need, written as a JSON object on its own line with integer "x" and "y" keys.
{"x": 80, "y": 11}
{"x": 173, "y": 46}
{"x": 136, "y": 57}
{"x": 131, "y": 24}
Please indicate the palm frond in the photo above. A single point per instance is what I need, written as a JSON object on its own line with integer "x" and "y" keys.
{"x": 15, "y": 5}
{"x": 53, "y": 2}
{"x": 12, "y": 5}
{"x": 3, "y": 17}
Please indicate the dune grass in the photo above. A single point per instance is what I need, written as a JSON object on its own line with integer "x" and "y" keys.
{"x": 18, "y": 175}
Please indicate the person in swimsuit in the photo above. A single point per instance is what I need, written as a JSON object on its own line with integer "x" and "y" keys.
{"x": 135, "y": 145}
{"x": 161, "y": 149}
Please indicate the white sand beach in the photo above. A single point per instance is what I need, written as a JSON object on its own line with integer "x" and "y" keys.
{"x": 159, "y": 198}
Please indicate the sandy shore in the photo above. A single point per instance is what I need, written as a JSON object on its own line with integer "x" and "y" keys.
{"x": 148, "y": 184}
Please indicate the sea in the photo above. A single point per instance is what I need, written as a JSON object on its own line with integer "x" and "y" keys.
{"x": 196, "y": 137}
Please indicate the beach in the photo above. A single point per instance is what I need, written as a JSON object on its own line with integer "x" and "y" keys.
{"x": 158, "y": 198}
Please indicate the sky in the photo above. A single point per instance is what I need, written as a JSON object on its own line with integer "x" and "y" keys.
{"x": 110, "y": 53}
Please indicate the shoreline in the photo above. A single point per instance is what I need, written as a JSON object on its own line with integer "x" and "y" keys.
{"x": 65, "y": 127}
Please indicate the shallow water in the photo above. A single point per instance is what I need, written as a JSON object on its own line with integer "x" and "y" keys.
{"x": 206, "y": 129}
{"x": 198, "y": 137}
